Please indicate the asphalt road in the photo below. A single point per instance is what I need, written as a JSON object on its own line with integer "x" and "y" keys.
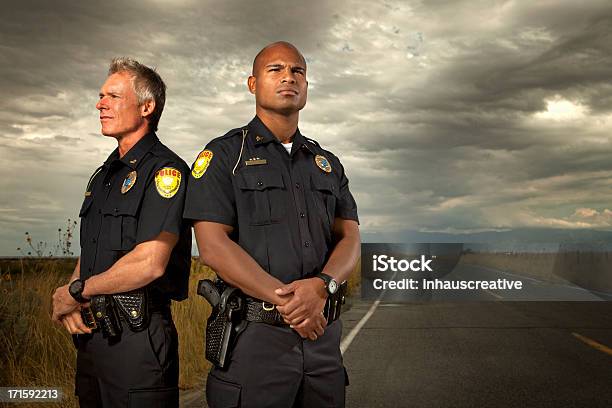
{"x": 480, "y": 354}
{"x": 486, "y": 353}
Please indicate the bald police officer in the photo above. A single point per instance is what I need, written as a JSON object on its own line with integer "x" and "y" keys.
{"x": 135, "y": 247}
{"x": 273, "y": 216}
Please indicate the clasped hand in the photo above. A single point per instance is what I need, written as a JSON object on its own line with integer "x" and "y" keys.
{"x": 67, "y": 311}
{"x": 304, "y": 310}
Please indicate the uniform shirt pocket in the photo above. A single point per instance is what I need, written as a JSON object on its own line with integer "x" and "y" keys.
{"x": 122, "y": 223}
{"x": 325, "y": 195}
{"x": 262, "y": 196}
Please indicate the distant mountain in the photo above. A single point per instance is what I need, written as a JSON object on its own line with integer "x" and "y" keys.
{"x": 515, "y": 236}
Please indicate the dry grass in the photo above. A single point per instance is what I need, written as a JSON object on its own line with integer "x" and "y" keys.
{"x": 190, "y": 319}
{"x": 37, "y": 353}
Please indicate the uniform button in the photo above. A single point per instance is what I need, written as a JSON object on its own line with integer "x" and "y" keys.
{"x": 306, "y": 244}
{"x": 260, "y": 183}
{"x": 297, "y": 185}
{"x": 108, "y": 184}
{"x": 302, "y": 215}
{"x": 116, "y": 210}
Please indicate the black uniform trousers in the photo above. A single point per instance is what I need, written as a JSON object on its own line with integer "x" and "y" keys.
{"x": 273, "y": 366}
{"x": 136, "y": 369}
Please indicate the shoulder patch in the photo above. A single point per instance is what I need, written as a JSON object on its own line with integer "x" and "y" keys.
{"x": 129, "y": 181}
{"x": 323, "y": 163}
{"x": 201, "y": 163}
{"x": 167, "y": 181}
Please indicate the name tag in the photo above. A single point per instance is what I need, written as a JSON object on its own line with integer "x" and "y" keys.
{"x": 256, "y": 162}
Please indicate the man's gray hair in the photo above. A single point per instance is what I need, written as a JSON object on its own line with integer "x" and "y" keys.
{"x": 147, "y": 83}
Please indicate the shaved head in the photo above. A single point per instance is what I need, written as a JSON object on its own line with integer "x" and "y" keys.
{"x": 260, "y": 57}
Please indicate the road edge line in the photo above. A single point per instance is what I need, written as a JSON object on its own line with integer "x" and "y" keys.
{"x": 593, "y": 343}
{"x": 346, "y": 342}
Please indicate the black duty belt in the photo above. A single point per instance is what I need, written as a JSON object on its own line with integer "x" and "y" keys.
{"x": 263, "y": 312}
{"x": 134, "y": 308}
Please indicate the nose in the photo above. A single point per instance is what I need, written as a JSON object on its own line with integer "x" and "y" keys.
{"x": 288, "y": 77}
{"x": 101, "y": 104}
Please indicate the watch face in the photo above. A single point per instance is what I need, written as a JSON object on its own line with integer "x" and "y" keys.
{"x": 332, "y": 287}
{"x": 76, "y": 287}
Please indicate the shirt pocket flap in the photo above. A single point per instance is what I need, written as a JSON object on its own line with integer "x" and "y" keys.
{"x": 121, "y": 207}
{"x": 324, "y": 183}
{"x": 261, "y": 181}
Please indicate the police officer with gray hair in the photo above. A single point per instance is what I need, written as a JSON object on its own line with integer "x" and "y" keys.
{"x": 135, "y": 254}
{"x": 274, "y": 217}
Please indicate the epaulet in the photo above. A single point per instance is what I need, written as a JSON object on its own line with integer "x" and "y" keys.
{"x": 314, "y": 142}
{"x": 231, "y": 133}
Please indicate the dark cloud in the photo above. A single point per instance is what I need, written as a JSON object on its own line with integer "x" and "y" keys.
{"x": 448, "y": 116}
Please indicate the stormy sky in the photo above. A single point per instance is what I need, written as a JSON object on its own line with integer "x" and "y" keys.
{"x": 448, "y": 116}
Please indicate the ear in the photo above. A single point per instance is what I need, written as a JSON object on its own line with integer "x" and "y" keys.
{"x": 251, "y": 83}
{"x": 147, "y": 108}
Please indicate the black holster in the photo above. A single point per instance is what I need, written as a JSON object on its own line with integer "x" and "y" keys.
{"x": 106, "y": 311}
{"x": 103, "y": 315}
{"x": 225, "y": 322}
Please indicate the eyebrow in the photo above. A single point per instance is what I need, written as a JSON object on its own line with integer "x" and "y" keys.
{"x": 282, "y": 66}
{"x": 109, "y": 92}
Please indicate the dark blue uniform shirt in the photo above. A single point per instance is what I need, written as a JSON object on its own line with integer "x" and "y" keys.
{"x": 282, "y": 206}
{"x": 131, "y": 200}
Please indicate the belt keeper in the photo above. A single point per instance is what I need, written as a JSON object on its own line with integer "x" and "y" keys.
{"x": 264, "y": 306}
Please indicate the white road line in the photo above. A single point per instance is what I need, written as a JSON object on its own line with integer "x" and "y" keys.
{"x": 494, "y": 294}
{"x": 344, "y": 345}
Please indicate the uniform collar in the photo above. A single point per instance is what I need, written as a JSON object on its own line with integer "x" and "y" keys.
{"x": 262, "y": 135}
{"x": 136, "y": 153}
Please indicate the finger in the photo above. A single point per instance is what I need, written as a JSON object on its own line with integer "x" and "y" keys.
{"x": 298, "y": 321}
{"x": 302, "y": 313}
{"x": 60, "y": 309}
{"x": 79, "y": 323}
{"x": 300, "y": 326}
{"x": 297, "y": 314}
{"x": 68, "y": 321}
{"x": 65, "y": 323}
{"x": 72, "y": 325}
{"x": 289, "y": 307}
{"x": 319, "y": 330}
{"x": 56, "y": 316}
{"x": 301, "y": 333}
{"x": 322, "y": 320}
{"x": 284, "y": 290}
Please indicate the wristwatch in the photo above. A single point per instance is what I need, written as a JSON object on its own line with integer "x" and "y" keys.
{"x": 76, "y": 290}
{"x": 331, "y": 286}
